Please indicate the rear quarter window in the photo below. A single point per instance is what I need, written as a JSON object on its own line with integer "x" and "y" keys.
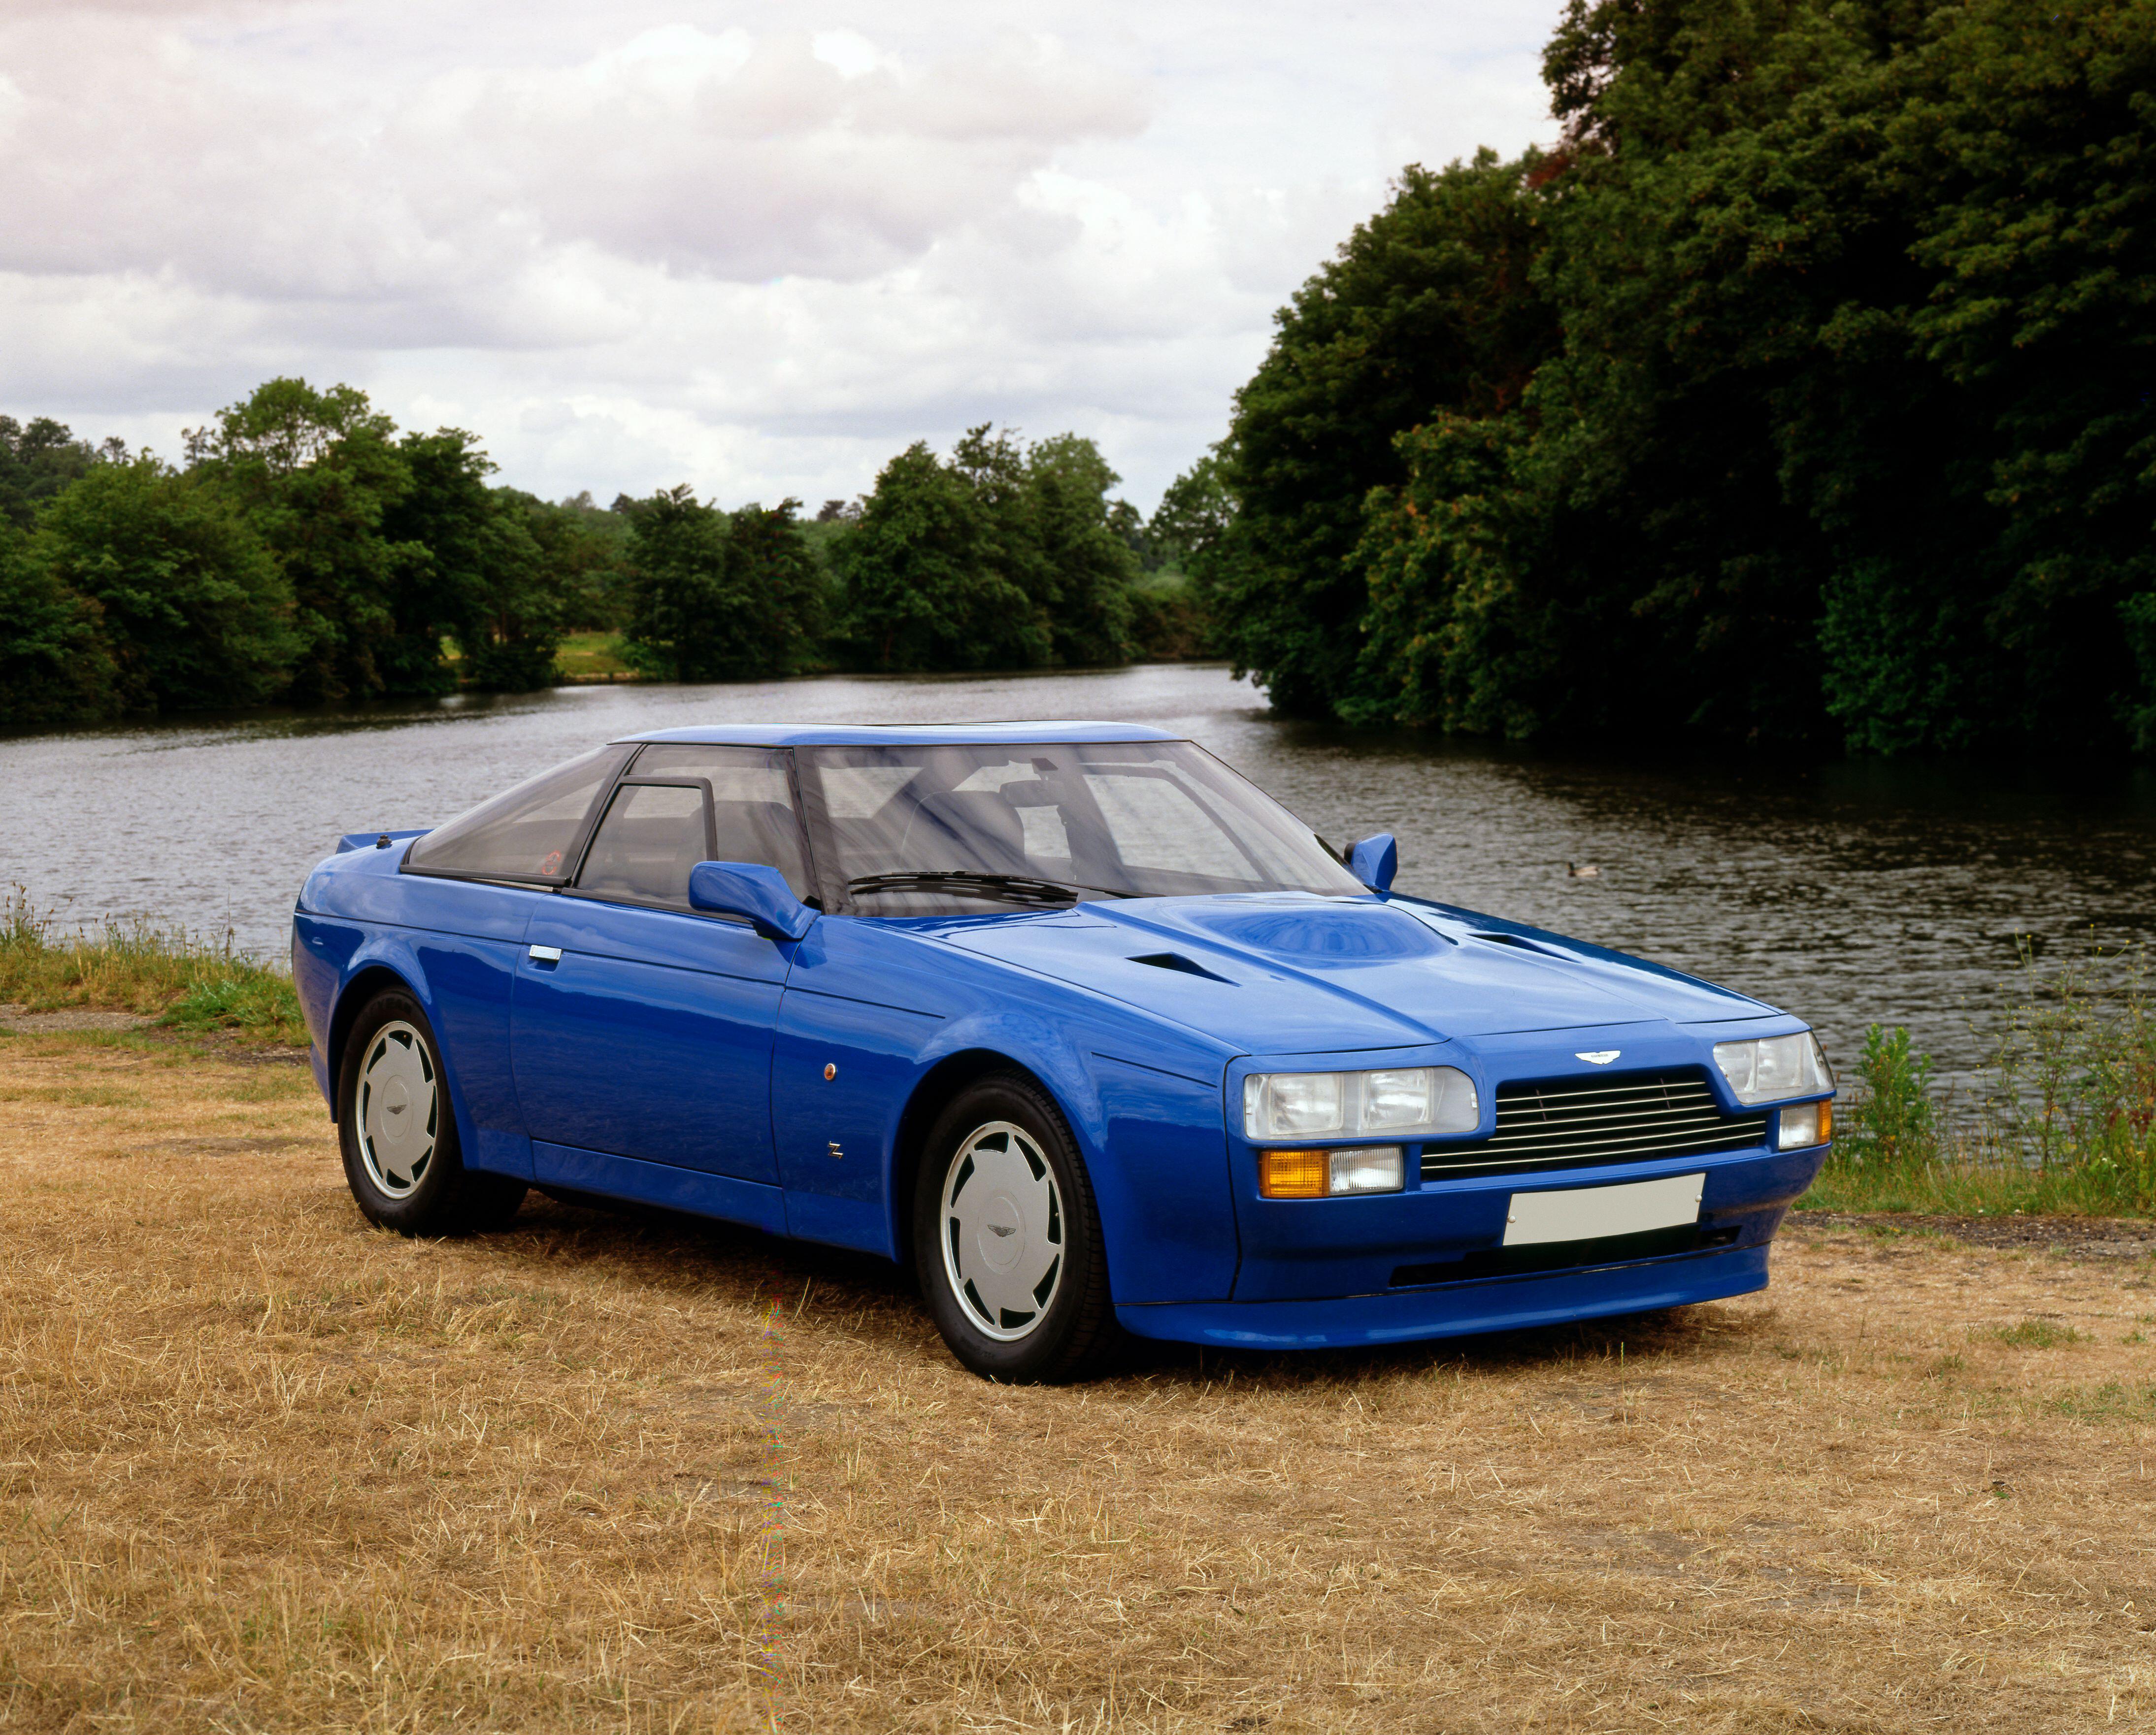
{"x": 531, "y": 832}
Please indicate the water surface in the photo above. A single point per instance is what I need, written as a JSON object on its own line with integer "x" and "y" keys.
{"x": 1848, "y": 893}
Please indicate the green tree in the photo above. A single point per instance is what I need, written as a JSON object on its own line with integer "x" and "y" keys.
{"x": 317, "y": 473}
{"x": 55, "y": 666}
{"x": 1007, "y": 555}
{"x": 449, "y": 567}
{"x": 1185, "y": 544}
{"x": 36, "y": 462}
{"x": 921, "y": 573}
{"x": 719, "y": 597}
{"x": 1189, "y": 527}
{"x": 1082, "y": 565}
{"x": 474, "y": 572}
{"x": 1428, "y": 305}
{"x": 1835, "y": 405}
{"x": 195, "y": 612}
{"x": 583, "y": 556}
{"x": 782, "y": 592}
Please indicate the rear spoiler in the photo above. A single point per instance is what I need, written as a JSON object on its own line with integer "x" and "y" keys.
{"x": 377, "y": 840}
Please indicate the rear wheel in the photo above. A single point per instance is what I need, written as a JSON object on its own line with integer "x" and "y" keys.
{"x": 1006, "y": 1238}
{"x": 399, "y": 1137}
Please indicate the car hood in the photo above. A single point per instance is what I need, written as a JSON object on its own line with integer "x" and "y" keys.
{"x": 1300, "y": 974}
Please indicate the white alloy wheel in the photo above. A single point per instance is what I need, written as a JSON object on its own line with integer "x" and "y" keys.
{"x": 1002, "y": 1231}
{"x": 399, "y": 1108}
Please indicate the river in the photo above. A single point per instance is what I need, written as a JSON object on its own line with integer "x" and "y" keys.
{"x": 1848, "y": 892}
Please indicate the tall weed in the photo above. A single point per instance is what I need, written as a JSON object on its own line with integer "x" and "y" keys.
{"x": 2063, "y": 1120}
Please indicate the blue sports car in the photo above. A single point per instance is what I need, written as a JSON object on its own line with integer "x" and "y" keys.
{"x": 1070, "y": 1017}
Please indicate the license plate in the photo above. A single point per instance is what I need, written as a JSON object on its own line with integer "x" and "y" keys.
{"x": 1587, "y": 1214}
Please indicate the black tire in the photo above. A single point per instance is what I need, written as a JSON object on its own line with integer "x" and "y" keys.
{"x": 1014, "y": 1128}
{"x": 408, "y": 1174}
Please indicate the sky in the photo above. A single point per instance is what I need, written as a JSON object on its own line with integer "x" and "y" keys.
{"x": 755, "y": 248}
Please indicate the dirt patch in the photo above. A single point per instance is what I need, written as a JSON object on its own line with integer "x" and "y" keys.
{"x": 227, "y": 1046}
{"x": 23, "y": 1022}
{"x": 217, "y": 1146}
{"x": 2108, "y": 1238}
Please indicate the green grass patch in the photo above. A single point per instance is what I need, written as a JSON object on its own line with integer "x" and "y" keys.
{"x": 2035, "y": 1334}
{"x": 167, "y": 974}
{"x": 591, "y": 656}
{"x": 2110, "y": 1401}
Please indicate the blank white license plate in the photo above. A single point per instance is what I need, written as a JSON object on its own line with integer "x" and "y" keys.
{"x": 1586, "y": 1214}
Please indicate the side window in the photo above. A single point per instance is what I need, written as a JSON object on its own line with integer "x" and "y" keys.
{"x": 653, "y": 834}
{"x": 752, "y": 817}
{"x": 531, "y": 832}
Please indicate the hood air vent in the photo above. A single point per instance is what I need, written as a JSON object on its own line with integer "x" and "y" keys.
{"x": 1515, "y": 941}
{"x": 1177, "y": 961}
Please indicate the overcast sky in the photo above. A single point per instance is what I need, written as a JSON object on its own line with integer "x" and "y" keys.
{"x": 756, "y": 248}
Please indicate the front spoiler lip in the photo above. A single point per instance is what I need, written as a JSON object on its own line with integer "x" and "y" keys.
{"x": 1467, "y": 1308}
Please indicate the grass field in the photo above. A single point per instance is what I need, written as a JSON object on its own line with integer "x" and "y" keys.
{"x": 591, "y": 656}
{"x": 263, "y": 1468}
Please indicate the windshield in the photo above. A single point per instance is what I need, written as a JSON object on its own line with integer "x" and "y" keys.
{"x": 928, "y": 830}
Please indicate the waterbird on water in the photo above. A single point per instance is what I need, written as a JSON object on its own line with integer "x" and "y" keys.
{"x": 1581, "y": 870}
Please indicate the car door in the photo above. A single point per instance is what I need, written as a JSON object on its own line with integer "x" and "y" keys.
{"x": 643, "y": 1029}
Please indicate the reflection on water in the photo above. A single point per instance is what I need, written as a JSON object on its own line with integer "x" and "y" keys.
{"x": 1849, "y": 894}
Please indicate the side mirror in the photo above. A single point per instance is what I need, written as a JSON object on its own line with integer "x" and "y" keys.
{"x": 1375, "y": 860}
{"x": 746, "y": 888}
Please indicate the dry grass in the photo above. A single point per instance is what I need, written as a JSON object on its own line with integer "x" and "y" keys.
{"x": 263, "y": 1468}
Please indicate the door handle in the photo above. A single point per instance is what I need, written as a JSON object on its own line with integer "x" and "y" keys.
{"x": 545, "y": 954}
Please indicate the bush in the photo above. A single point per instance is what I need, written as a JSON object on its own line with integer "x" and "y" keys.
{"x": 1891, "y": 1120}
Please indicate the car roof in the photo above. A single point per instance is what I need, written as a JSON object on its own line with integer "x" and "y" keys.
{"x": 813, "y": 734}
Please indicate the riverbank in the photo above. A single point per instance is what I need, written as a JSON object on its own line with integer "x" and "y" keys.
{"x": 271, "y": 1468}
{"x": 162, "y": 976}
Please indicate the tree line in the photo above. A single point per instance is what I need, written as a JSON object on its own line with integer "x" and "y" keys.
{"x": 305, "y": 550}
{"x": 1801, "y": 392}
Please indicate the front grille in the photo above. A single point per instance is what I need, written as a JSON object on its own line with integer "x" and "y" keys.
{"x": 1568, "y": 1123}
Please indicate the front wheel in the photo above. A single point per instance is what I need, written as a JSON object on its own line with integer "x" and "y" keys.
{"x": 1006, "y": 1237}
{"x": 399, "y": 1135}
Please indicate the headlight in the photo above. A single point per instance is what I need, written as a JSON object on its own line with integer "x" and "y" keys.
{"x": 1399, "y": 1103}
{"x": 1770, "y": 1068}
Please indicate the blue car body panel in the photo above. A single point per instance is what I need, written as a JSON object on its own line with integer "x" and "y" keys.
{"x": 649, "y": 1035}
{"x": 688, "y": 1060}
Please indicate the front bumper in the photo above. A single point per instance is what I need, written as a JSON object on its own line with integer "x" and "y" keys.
{"x": 1499, "y": 1304}
{"x": 1312, "y": 1249}
{"x": 1429, "y": 1262}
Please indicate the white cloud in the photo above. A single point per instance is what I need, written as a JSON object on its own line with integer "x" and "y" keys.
{"x": 757, "y": 249}
{"x": 748, "y": 159}
{"x": 853, "y": 54}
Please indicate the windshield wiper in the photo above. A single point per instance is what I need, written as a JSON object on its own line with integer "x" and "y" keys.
{"x": 1009, "y": 888}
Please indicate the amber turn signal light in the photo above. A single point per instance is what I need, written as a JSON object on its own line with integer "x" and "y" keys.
{"x": 1330, "y": 1174}
{"x": 1293, "y": 1174}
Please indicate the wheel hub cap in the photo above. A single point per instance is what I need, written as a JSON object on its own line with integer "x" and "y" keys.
{"x": 1002, "y": 1230}
{"x": 399, "y": 1109}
